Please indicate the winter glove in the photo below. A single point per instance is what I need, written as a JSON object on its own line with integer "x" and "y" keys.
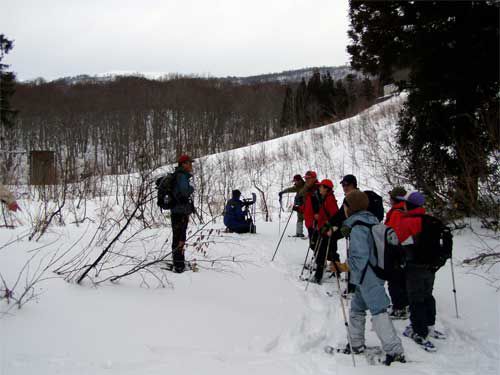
{"x": 340, "y": 267}
{"x": 13, "y": 206}
{"x": 345, "y": 230}
{"x": 325, "y": 228}
{"x": 295, "y": 208}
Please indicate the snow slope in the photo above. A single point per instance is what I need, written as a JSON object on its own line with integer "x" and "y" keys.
{"x": 244, "y": 317}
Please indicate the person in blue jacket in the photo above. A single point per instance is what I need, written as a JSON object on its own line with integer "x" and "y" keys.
{"x": 183, "y": 207}
{"x": 370, "y": 292}
{"x": 236, "y": 217}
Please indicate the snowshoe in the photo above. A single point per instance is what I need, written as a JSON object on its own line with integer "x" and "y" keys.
{"x": 355, "y": 349}
{"x": 423, "y": 342}
{"x": 188, "y": 266}
{"x": 389, "y": 358}
{"x": 374, "y": 354}
{"x": 435, "y": 334}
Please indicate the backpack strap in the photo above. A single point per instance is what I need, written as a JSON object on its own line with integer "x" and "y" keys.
{"x": 359, "y": 222}
{"x": 368, "y": 264}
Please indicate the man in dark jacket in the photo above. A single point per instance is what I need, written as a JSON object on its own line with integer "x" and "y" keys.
{"x": 419, "y": 276}
{"x": 183, "y": 207}
{"x": 236, "y": 214}
{"x": 298, "y": 186}
{"x": 349, "y": 183}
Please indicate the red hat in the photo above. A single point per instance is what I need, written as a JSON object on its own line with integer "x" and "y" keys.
{"x": 328, "y": 183}
{"x": 184, "y": 158}
{"x": 311, "y": 174}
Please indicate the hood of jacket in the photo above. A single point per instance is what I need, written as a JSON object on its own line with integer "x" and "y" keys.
{"x": 364, "y": 216}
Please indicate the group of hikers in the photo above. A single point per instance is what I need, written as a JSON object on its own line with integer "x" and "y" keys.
{"x": 410, "y": 281}
{"x": 410, "y": 284}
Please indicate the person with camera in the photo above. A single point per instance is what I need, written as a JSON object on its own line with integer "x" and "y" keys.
{"x": 236, "y": 215}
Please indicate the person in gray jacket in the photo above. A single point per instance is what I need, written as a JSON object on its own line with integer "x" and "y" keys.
{"x": 370, "y": 292}
{"x": 298, "y": 187}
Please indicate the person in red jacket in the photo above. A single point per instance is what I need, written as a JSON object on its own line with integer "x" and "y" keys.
{"x": 327, "y": 207}
{"x": 397, "y": 283}
{"x": 419, "y": 277}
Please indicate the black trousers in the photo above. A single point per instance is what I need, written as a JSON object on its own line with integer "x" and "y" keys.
{"x": 327, "y": 247}
{"x": 397, "y": 289}
{"x": 419, "y": 285}
{"x": 242, "y": 228}
{"x": 179, "y": 228}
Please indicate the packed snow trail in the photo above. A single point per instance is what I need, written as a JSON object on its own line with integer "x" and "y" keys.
{"x": 257, "y": 318}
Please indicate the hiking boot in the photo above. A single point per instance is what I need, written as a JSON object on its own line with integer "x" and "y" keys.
{"x": 401, "y": 314}
{"x": 427, "y": 345}
{"x": 408, "y": 332}
{"x": 389, "y": 358}
{"x": 434, "y": 333}
{"x": 355, "y": 349}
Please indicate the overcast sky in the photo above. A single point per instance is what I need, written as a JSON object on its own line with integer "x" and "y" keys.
{"x": 56, "y": 38}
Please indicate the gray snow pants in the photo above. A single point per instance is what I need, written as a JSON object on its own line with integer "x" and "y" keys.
{"x": 300, "y": 225}
{"x": 373, "y": 299}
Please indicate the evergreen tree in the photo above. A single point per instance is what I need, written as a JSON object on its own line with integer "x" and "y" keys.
{"x": 313, "y": 105}
{"x": 7, "y": 85}
{"x": 368, "y": 90}
{"x": 351, "y": 93}
{"x": 341, "y": 99}
{"x": 448, "y": 128}
{"x": 327, "y": 98}
{"x": 288, "y": 113}
{"x": 300, "y": 104}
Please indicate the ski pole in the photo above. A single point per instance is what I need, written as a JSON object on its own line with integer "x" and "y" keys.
{"x": 454, "y": 288}
{"x": 282, "y": 234}
{"x": 279, "y": 216}
{"x": 318, "y": 248}
{"x": 348, "y": 272}
{"x": 346, "y": 323}
{"x": 305, "y": 260}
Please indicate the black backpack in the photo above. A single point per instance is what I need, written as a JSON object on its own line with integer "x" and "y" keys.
{"x": 375, "y": 204}
{"x": 434, "y": 245}
{"x": 165, "y": 187}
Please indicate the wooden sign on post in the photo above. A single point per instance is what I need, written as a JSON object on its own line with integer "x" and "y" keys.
{"x": 43, "y": 168}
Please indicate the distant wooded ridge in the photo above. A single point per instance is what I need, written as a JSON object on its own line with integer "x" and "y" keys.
{"x": 121, "y": 124}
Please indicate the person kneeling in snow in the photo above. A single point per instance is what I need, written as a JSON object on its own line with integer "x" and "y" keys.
{"x": 236, "y": 217}
{"x": 370, "y": 292}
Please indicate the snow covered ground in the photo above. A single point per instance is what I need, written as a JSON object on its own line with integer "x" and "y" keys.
{"x": 244, "y": 317}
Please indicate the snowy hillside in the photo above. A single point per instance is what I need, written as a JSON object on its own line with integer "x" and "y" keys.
{"x": 241, "y": 313}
